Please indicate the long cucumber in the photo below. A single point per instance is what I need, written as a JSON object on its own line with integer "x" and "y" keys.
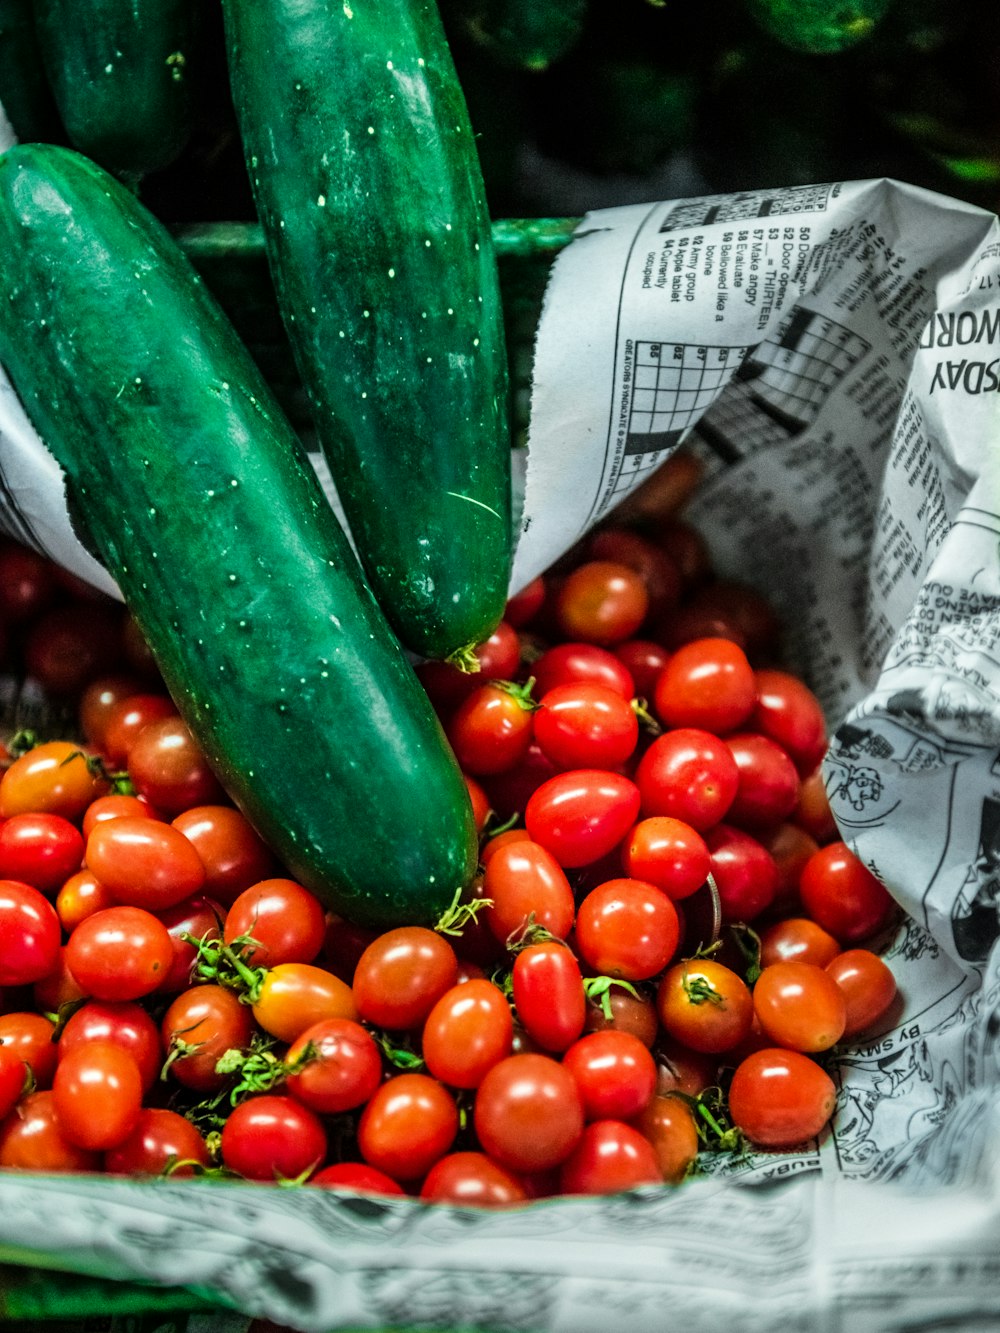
{"x": 194, "y": 492}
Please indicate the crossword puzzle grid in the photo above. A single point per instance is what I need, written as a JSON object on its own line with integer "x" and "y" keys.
{"x": 673, "y": 384}
{"x": 810, "y": 355}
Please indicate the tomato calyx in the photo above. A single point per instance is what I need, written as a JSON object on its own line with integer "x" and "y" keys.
{"x": 598, "y": 991}
{"x": 700, "y": 990}
{"x": 400, "y": 1054}
{"x": 531, "y": 931}
{"x": 64, "y": 1013}
{"x": 259, "y": 1069}
{"x": 22, "y": 741}
{"x": 748, "y": 942}
{"x": 458, "y": 915}
{"x": 649, "y": 724}
{"x": 520, "y": 693}
{"x": 226, "y": 965}
{"x": 712, "y": 1122}
{"x": 464, "y": 659}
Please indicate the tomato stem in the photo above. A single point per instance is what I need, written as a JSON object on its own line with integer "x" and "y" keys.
{"x": 646, "y": 719}
{"x": 458, "y": 915}
{"x": 464, "y": 659}
{"x": 598, "y": 989}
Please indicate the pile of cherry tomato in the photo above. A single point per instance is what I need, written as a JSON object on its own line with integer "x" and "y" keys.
{"x": 657, "y": 960}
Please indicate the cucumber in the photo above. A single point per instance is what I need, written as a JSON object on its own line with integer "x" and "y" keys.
{"x": 119, "y": 72}
{"x": 524, "y": 34}
{"x": 24, "y": 91}
{"x": 368, "y": 187}
{"x": 194, "y": 492}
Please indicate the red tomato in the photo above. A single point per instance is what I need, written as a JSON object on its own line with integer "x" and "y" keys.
{"x": 610, "y": 1157}
{"x": 668, "y": 1123}
{"x": 499, "y": 657}
{"x": 525, "y": 604}
{"x": 659, "y": 573}
{"x": 680, "y": 1069}
{"x": 523, "y": 880}
{"x": 867, "y": 985}
{"x": 602, "y": 602}
{"x": 29, "y": 934}
{"x": 696, "y": 620}
{"x": 705, "y": 1005}
{"x": 68, "y": 645}
{"x": 628, "y": 1013}
{"x": 97, "y": 1094}
{"x": 796, "y": 939}
{"x": 615, "y": 1073}
{"x": 28, "y": 1037}
{"x": 744, "y": 873}
{"x": 584, "y": 725}
{"x": 228, "y": 847}
{"x": 813, "y": 811}
{"x": 273, "y": 1138}
{"x": 32, "y": 1139}
{"x": 780, "y": 1099}
{"x": 358, "y": 1177}
{"x": 789, "y": 712}
{"x": 58, "y": 988}
{"x": 568, "y": 663}
{"x": 13, "y": 1079}
{"x": 143, "y": 862}
{"x": 126, "y": 1025}
{"x": 528, "y": 1113}
{"x": 493, "y": 845}
{"x": 481, "y": 808}
{"x": 799, "y": 1006}
{"x": 689, "y": 775}
{"x": 491, "y": 730}
{"x": 53, "y": 778}
{"x": 285, "y": 921}
{"x": 750, "y": 613}
{"x": 27, "y": 583}
{"x": 468, "y": 1031}
{"x": 39, "y": 849}
{"x": 168, "y": 768}
{"x": 200, "y": 917}
{"x": 509, "y": 792}
{"x": 98, "y": 700}
{"x": 471, "y": 1180}
{"x": 548, "y": 994}
{"x": 708, "y": 684}
{"x": 162, "y": 1140}
{"x": 686, "y": 547}
{"x": 294, "y": 996}
{"x": 668, "y": 853}
{"x": 198, "y": 1028}
{"x": 841, "y": 893}
{"x": 408, "y": 1125}
{"x": 341, "y": 1066}
{"x": 343, "y": 945}
{"x": 768, "y": 790}
{"x": 402, "y": 975}
{"x": 644, "y": 659}
{"x": 113, "y": 806}
{"x": 120, "y": 953}
{"x": 582, "y": 815}
{"x": 627, "y": 928}
{"x": 127, "y": 717}
{"x": 791, "y": 847}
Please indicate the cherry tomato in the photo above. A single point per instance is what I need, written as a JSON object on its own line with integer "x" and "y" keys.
{"x": 28, "y": 1037}
{"x": 744, "y": 872}
{"x": 707, "y": 684}
{"x": 468, "y": 1031}
{"x": 768, "y": 790}
{"x": 705, "y": 1005}
{"x": 285, "y": 921}
{"x": 668, "y": 1124}
{"x": 113, "y": 806}
{"x": 568, "y": 663}
{"x": 493, "y": 845}
{"x": 696, "y": 620}
{"x": 780, "y": 1098}
{"x": 14, "y": 1079}
{"x": 615, "y": 1073}
{"x": 294, "y": 996}
{"x": 59, "y": 988}
{"x": 162, "y": 1140}
{"x": 200, "y": 917}
{"x": 668, "y": 853}
{"x": 528, "y": 1113}
{"x": 658, "y": 572}
{"x": 481, "y": 808}
{"x": 128, "y": 717}
{"x": 791, "y": 847}
{"x": 98, "y": 700}
{"x": 627, "y": 1012}
{"x": 498, "y": 657}
{"x": 144, "y": 862}
{"x": 32, "y": 1139}
{"x": 491, "y": 730}
{"x": 689, "y": 775}
{"x": 200, "y": 1025}
{"x": 800, "y": 1006}
{"x": 867, "y": 985}
{"x": 471, "y": 1180}
{"x": 602, "y": 602}
{"x": 525, "y": 604}
{"x": 841, "y": 893}
{"x": 52, "y": 778}
{"x": 168, "y": 768}
{"x": 410, "y": 1123}
{"x": 120, "y": 953}
{"x": 68, "y": 645}
{"x": 582, "y": 815}
{"x": 358, "y": 1177}
{"x": 548, "y": 994}
{"x": 271, "y": 1138}
{"x": 341, "y": 1066}
{"x": 813, "y": 811}
{"x": 524, "y": 880}
{"x": 789, "y": 712}
{"x": 584, "y": 725}
{"x": 97, "y": 1094}
{"x": 680, "y": 1069}
{"x": 126, "y": 1025}
{"x": 233, "y": 855}
{"x": 610, "y": 1157}
{"x": 402, "y": 975}
{"x": 751, "y": 614}
{"x": 627, "y": 928}
{"x": 796, "y": 939}
{"x": 644, "y": 659}
{"x": 509, "y": 792}
{"x": 29, "y": 934}
{"x": 27, "y": 583}
{"x": 687, "y": 548}
{"x": 40, "y": 849}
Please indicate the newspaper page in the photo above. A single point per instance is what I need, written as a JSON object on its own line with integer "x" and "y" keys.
{"x": 831, "y": 352}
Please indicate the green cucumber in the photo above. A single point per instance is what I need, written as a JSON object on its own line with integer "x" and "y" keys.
{"x": 524, "y": 34}
{"x": 194, "y": 492}
{"x": 369, "y": 191}
{"x": 24, "y": 90}
{"x": 119, "y": 72}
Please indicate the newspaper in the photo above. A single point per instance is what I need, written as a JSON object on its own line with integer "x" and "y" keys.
{"x": 833, "y": 354}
